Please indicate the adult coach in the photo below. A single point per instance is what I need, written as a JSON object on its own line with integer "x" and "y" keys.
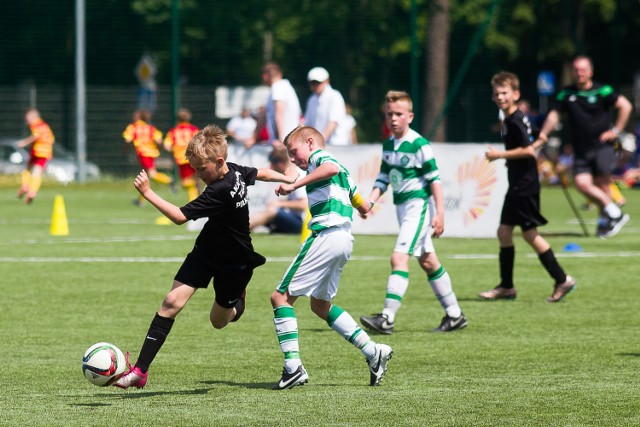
{"x": 587, "y": 105}
{"x": 326, "y": 110}
{"x": 283, "y": 106}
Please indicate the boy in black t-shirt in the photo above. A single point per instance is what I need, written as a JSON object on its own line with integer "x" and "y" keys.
{"x": 222, "y": 251}
{"x": 522, "y": 201}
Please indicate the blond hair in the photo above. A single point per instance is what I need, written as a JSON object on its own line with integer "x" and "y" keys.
{"x": 506, "y": 78}
{"x": 207, "y": 145}
{"x": 301, "y": 133}
{"x": 398, "y": 95}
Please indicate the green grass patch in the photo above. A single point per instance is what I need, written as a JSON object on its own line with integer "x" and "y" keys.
{"x": 520, "y": 363}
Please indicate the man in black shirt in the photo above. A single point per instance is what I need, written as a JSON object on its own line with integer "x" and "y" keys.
{"x": 522, "y": 201}
{"x": 587, "y": 105}
{"x": 223, "y": 250}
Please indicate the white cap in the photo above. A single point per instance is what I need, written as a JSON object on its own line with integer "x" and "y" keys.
{"x": 317, "y": 74}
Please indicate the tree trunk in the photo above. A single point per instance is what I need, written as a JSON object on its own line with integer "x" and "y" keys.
{"x": 437, "y": 66}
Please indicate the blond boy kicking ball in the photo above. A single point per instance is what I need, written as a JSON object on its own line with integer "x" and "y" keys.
{"x": 223, "y": 250}
{"x": 315, "y": 271}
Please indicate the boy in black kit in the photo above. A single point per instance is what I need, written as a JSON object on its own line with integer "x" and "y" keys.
{"x": 223, "y": 249}
{"x": 522, "y": 201}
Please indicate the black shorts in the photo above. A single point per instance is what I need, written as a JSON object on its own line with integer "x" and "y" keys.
{"x": 227, "y": 284}
{"x": 599, "y": 161}
{"x": 523, "y": 211}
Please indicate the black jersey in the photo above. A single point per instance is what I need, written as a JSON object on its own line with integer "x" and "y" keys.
{"x": 522, "y": 173}
{"x": 224, "y": 241}
{"x": 588, "y": 112}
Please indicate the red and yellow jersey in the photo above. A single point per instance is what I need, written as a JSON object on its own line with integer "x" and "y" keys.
{"x": 177, "y": 140}
{"x": 43, "y": 145}
{"x": 145, "y": 138}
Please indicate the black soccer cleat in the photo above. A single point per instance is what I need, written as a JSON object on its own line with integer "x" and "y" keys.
{"x": 299, "y": 377}
{"x": 378, "y": 322}
{"x": 449, "y": 324}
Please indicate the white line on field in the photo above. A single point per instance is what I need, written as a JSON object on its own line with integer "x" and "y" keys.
{"x": 289, "y": 259}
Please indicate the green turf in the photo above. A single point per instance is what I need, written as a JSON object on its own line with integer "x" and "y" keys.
{"x": 521, "y": 363}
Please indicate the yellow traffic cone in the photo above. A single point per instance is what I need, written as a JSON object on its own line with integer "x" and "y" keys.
{"x": 305, "y": 231}
{"x": 59, "y": 225}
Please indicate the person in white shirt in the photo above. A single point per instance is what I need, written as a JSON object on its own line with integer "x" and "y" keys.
{"x": 241, "y": 128}
{"x": 326, "y": 109}
{"x": 283, "y": 106}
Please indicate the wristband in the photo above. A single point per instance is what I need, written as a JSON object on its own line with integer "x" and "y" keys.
{"x": 615, "y": 130}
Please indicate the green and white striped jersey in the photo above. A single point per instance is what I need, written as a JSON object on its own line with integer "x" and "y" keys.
{"x": 409, "y": 166}
{"x": 330, "y": 199}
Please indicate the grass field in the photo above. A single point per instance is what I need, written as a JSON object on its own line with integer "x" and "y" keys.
{"x": 521, "y": 363}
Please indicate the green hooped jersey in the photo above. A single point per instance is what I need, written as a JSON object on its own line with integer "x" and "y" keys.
{"x": 329, "y": 199}
{"x": 409, "y": 166}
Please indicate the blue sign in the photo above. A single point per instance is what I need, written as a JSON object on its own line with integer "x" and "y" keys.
{"x": 546, "y": 83}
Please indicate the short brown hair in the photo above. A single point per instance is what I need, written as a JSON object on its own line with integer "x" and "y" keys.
{"x": 184, "y": 115}
{"x": 208, "y": 144}
{"x": 505, "y": 78}
{"x": 304, "y": 132}
{"x": 398, "y": 95}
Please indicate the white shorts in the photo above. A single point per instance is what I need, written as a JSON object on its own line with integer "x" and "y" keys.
{"x": 414, "y": 218}
{"x": 316, "y": 269}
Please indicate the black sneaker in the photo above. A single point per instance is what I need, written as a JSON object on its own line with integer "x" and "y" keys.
{"x": 299, "y": 377}
{"x": 613, "y": 226}
{"x": 378, "y": 322}
{"x": 449, "y": 324}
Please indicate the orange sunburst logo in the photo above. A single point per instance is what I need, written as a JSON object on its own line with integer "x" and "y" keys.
{"x": 476, "y": 179}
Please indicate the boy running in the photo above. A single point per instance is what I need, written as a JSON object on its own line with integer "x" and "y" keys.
{"x": 409, "y": 166}
{"x": 522, "y": 201}
{"x": 41, "y": 152}
{"x": 176, "y": 141}
{"x": 315, "y": 272}
{"x": 223, "y": 250}
{"x": 145, "y": 139}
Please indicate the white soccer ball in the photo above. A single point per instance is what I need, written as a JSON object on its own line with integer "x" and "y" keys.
{"x": 103, "y": 364}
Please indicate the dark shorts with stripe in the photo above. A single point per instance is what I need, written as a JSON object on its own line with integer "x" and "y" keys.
{"x": 522, "y": 211}
{"x": 228, "y": 284}
{"x": 599, "y": 161}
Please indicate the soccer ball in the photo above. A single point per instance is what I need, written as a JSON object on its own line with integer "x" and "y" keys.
{"x": 103, "y": 364}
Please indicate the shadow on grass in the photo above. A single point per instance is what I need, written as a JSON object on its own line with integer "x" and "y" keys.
{"x": 90, "y": 405}
{"x": 628, "y": 354}
{"x": 240, "y": 384}
{"x": 142, "y": 394}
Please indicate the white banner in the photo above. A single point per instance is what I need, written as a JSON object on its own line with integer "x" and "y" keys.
{"x": 473, "y": 188}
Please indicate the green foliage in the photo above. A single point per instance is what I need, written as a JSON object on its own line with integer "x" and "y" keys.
{"x": 520, "y": 363}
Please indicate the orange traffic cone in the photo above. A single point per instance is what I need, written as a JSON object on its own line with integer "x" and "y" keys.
{"x": 59, "y": 225}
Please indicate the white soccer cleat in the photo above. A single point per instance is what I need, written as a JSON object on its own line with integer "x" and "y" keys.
{"x": 379, "y": 363}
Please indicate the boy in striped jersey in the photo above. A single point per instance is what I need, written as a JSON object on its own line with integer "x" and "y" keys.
{"x": 409, "y": 166}
{"x": 315, "y": 272}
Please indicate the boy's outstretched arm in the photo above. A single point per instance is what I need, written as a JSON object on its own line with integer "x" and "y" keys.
{"x": 324, "y": 171}
{"x": 168, "y": 209}
{"x": 269, "y": 175}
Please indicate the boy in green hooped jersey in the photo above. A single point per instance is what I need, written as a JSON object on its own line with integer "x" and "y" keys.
{"x": 315, "y": 271}
{"x": 409, "y": 166}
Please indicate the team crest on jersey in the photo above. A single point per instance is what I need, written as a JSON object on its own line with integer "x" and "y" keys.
{"x": 404, "y": 160}
{"x": 572, "y": 98}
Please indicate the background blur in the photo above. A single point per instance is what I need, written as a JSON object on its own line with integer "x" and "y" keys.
{"x": 368, "y": 46}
